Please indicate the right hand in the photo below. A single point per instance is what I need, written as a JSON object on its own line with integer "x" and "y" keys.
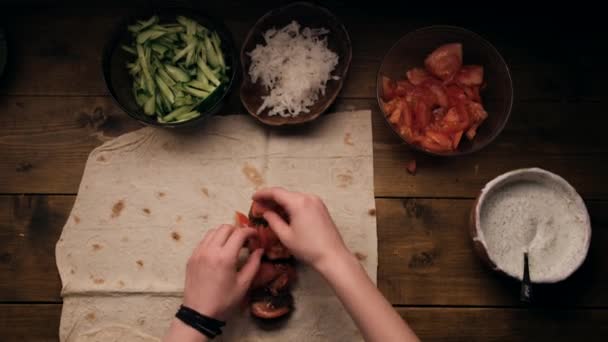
{"x": 311, "y": 234}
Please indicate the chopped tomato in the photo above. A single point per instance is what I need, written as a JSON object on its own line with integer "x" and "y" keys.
{"x": 478, "y": 115}
{"x": 407, "y": 133}
{"x": 470, "y": 75}
{"x": 241, "y": 220}
{"x": 422, "y": 94}
{"x": 454, "y": 120}
{"x": 445, "y": 61}
{"x": 472, "y": 93}
{"x": 279, "y": 284}
{"x": 476, "y": 112}
{"x": 399, "y": 113}
{"x": 403, "y": 88}
{"x": 417, "y": 76}
{"x": 266, "y": 273}
{"x": 440, "y": 95}
{"x": 422, "y": 114}
{"x": 395, "y": 114}
{"x": 388, "y": 88}
{"x": 389, "y": 106}
{"x": 267, "y": 240}
{"x": 411, "y": 166}
{"x": 431, "y": 145}
{"x": 265, "y": 237}
{"x": 266, "y": 310}
{"x": 456, "y": 139}
{"x": 441, "y": 139}
{"x": 408, "y": 117}
{"x": 436, "y": 105}
{"x": 455, "y": 95}
{"x": 475, "y": 96}
{"x": 472, "y": 132}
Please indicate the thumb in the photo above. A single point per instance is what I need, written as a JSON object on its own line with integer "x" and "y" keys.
{"x": 250, "y": 269}
{"x": 278, "y": 225}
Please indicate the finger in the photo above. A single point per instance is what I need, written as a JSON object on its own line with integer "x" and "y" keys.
{"x": 278, "y": 225}
{"x": 278, "y": 195}
{"x": 222, "y": 234}
{"x": 237, "y": 240}
{"x": 250, "y": 269}
{"x": 205, "y": 241}
{"x": 208, "y": 237}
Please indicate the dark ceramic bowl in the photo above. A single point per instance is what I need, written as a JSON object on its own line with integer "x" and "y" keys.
{"x": 497, "y": 97}
{"x": 307, "y": 15}
{"x": 120, "y": 83}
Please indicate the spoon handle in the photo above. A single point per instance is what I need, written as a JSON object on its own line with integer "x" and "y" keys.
{"x": 526, "y": 286}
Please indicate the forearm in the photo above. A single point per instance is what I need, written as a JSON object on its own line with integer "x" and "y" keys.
{"x": 371, "y": 312}
{"x": 180, "y": 332}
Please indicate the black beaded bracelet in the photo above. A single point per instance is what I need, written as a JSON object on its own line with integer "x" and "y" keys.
{"x": 207, "y": 326}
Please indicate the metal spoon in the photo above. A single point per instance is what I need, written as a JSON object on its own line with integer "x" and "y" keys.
{"x": 525, "y": 294}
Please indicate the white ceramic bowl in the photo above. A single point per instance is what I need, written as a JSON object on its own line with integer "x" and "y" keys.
{"x": 536, "y": 211}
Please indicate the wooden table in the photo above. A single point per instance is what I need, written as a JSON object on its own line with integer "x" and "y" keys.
{"x": 54, "y": 109}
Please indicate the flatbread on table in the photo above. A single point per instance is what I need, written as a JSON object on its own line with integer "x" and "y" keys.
{"x": 147, "y": 198}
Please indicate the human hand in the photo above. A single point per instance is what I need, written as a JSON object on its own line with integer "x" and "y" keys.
{"x": 311, "y": 234}
{"x": 213, "y": 286}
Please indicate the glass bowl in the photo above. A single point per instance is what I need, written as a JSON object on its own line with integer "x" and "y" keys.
{"x": 497, "y": 97}
{"x": 119, "y": 82}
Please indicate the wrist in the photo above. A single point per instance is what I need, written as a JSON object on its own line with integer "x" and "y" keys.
{"x": 208, "y": 310}
{"x": 180, "y": 331}
{"x": 334, "y": 262}
{"x": 207, "y": 326}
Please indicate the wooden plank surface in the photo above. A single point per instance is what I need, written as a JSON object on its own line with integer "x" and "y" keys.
{"x": 29, "y": 228}
{"x": 44, "y": 143}
{"x": 500, "y": 324}
{"x": 426, "y": 258}
{"x": 425, "y": 255}
{"x": 40, "y": 322}
{"x": 60, "y": 44}
{"x": 54, "y": 109}
{"x": 29, "y": 322}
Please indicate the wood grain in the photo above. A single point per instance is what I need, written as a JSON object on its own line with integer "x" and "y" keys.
{"x": 425, "y": 256}
{"x": 55, "y": 110}
{"x": 44, "y": 144}
{"x": 29, "y": 322}
{"x": 40, "y": 322}
{"x": 490, "y": 324}
{"x": 55, "y": 51}
{"x": 29, "y": 228}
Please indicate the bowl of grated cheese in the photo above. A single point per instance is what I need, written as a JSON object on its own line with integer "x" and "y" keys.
{"x": 294, "y": 60}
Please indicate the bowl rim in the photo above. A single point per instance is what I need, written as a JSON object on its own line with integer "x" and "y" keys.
{"x": 476, "y": 232}
{"x": 245, "y": 73}
{"x": 491, "y": 48}
{"x": 112, "y": 44}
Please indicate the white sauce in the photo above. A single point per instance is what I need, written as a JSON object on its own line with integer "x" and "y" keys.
{"x": 537, "y": 216}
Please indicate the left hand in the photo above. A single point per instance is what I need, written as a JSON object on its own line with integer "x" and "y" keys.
{"x": 213, "y": 286}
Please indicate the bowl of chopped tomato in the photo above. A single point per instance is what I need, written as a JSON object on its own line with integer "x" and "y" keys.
{"x": 445, "y": 90}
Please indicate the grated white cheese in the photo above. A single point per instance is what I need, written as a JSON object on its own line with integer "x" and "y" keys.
{"x": 294, "y": 66}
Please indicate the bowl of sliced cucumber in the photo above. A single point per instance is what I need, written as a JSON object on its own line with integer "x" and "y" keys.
{"x": 172, "y": 68}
